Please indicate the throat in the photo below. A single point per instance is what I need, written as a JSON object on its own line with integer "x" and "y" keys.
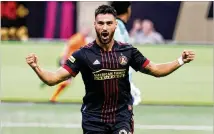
{"x": 105, "y": 47}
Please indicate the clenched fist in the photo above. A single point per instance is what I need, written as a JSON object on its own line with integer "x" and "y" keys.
{"x": 32, "y": 59}
{"x": 188, "y": 56}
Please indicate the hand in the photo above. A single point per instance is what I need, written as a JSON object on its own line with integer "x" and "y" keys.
{"x": 32, "y": 59}
{"x": 188, "y": 56}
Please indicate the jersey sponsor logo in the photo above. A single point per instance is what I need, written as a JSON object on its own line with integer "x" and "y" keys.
{"x": 123, "y": 60}
{"x": 123, "y": 131}
{"x": 72, "y": 59}
{"x": 105, "y": 74}
{"x": 96, "y": 62}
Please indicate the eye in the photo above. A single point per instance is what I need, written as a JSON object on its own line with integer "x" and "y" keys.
{"x": 109, "y": 22}
{"x": 100, "y": 23}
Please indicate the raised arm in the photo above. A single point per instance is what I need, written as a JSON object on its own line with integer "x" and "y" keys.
{"x": 49, "y": 78}
{"x": 142, "y": 64}
{"x": 164, "y": 69}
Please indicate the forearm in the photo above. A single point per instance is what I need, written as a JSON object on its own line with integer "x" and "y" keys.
{"x": 161, "y": 70}
{"x": 167, "y": 68}
{"x": 47, "y": 77}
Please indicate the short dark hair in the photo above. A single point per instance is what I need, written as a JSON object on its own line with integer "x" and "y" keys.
{"x": 120, "y": 6}
{"x": 105, "y": 9}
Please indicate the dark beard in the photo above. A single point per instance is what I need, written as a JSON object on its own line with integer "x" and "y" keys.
{"x": 100, "y": 38}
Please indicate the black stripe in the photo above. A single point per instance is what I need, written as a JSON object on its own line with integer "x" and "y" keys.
{"x": 116, "y": 85}
{"x": 103, "y": 108}
{"x": 113, "y": 90}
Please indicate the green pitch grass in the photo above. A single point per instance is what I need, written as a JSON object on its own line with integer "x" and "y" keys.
{"x": 66, "y": 119}
{"x": 190, "y": 85}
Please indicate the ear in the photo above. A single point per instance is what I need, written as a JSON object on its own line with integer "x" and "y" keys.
{"x": 94, "y": 23}
{"x": 116, "y": 23}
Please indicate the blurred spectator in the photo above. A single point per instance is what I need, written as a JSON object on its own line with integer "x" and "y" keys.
{"x": 136, "y": 32}
{"x": 149, "y": 35}
{"x": 136, "y": 27}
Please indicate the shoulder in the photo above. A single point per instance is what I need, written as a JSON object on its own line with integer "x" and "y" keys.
{"x": 88, "y": 46}
{"x": 80, "y": 53}
{"x": 123, "y": 45}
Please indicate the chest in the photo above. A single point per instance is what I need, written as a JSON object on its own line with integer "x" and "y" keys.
{"x": 113, "y": 60}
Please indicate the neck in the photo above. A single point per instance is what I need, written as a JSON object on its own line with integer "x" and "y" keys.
{"x": 105, "y": 47}
{"x": 123, "y": 17}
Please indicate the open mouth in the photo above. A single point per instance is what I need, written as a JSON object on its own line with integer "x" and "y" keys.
{"x": 105, "y": 35}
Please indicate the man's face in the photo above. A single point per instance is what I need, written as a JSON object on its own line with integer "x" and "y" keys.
{"x": 137, "y": 25}
{"x": 147, "y": 27}
{"x": 105, "y": 25}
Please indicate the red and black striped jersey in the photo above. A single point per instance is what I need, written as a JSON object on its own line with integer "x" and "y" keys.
{"x": 106, "y": 78}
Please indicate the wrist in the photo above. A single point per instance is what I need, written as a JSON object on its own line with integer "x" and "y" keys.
{"x": 34, "y": 67}
{"x": 180, "y": 61}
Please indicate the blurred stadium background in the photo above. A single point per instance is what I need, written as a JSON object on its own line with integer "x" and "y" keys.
{"x": 181, "y": 103}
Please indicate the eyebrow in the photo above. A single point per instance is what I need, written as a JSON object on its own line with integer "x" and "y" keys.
{"x": 105, "y": 22}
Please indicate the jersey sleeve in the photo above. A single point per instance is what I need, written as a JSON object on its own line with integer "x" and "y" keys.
{"x": 138, "y": 61}
{"x": 72, "y": 64}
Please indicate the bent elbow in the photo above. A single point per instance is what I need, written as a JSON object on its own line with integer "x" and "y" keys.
{"x": 51, "y": 84}
{"x": 157, "y": 76}
{"x": 160, "y": 75}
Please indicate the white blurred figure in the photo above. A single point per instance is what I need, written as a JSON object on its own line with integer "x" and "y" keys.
{"x": 121, "y": 34}
{"x": 149, "y": 35}
{"x": 136, "y": 32}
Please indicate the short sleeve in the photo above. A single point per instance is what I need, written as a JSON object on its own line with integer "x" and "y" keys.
{"x": 72, "y": 64}
{"x": 138, "y": 61}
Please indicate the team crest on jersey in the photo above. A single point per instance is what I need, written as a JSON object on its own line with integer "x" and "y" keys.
{"x": 72, "y": 59}
{"x": 123, "y": 60}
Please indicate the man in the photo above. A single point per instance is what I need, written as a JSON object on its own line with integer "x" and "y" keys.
{"x": 123, "y": 9}
{"x": 104, "y": 65}
{"x": 149, "y": 35}
{"x": 74, "y": 43}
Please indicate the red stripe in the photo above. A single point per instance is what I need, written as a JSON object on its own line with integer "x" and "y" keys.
{"x": 113, "y": 91}
{"x": 116, "y": 86}
{"x": 107, "y": 92}
{"x": 113, "y": 104}
{"x": 117, "y": 90}
{"x": 69, "y": 70}
{"x": 104, "y": 104}
{"x": 110, "y": 89}
{"x": 106, "y": 60}
{"x": 109, "y": 60}
{"x": 112, "y": 60}
{"x": 145, "y": 63}
{"x": 116, "y": 59}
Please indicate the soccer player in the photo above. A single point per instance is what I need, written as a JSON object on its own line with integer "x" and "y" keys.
{"x": 104, "y": 65}
{"x": 123, "y": 9}
{"x": 74, "y": 43}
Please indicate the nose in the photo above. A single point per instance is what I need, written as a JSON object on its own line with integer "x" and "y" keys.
{"x": 104, "y": 27}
